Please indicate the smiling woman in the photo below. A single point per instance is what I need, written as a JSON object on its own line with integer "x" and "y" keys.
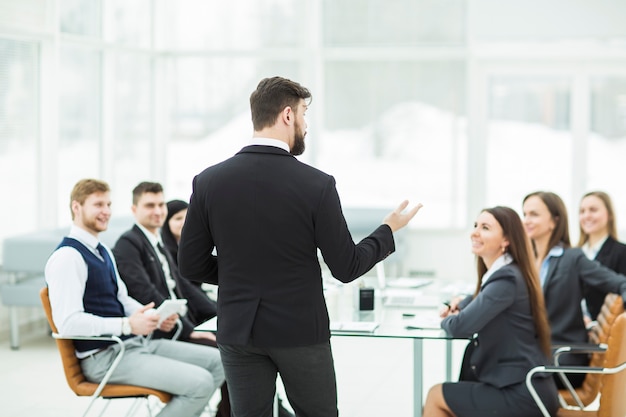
{"x": 488, "y": 240}
{"x": 564, "y": 272}
{"x": 506, "y": 321}
{"x": 598, "y": 240}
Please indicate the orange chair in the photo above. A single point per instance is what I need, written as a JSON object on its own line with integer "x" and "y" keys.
{"x": 77, "y": 381}
{"x": 612, "y": 398}
{"x": 584, "y": 395}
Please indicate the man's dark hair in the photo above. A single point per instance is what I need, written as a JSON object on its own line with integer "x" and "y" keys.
{"x": 271, "y": 96}
{"x": 145, "y": 187}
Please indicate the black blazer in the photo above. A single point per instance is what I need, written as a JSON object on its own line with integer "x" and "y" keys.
{"x": 499, "y": 321}
{"x": 266, "y": 214}
{"x": 140, "y": 268}
{"x": 563, "y": 292}
{"x": 612, "y": 254}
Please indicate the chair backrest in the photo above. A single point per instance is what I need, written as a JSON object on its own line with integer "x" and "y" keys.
{"x": 71, "y": 365}
{"x": 612, "y": 307}
{"x": 612, "y": 398}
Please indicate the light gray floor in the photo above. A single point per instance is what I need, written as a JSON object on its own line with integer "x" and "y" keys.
{"x": 374, "y": 377}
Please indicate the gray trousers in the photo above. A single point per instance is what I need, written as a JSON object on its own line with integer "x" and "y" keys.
{"x": 307, "y": 372}
{"x": 188, "y": 371}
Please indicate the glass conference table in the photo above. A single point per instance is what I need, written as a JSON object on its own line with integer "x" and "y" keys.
{"x": 416, "y": 323}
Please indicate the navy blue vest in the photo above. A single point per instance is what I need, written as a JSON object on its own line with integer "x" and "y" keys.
{"x": 100, "y": 297}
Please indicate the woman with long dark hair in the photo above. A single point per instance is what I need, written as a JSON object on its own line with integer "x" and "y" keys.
{"x": 506, "y": 321}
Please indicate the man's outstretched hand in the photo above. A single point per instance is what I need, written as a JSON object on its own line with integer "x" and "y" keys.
{"x": 398, "y": 218}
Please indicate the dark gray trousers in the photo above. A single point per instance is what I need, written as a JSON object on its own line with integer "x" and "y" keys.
{"x": 307, "y": 372}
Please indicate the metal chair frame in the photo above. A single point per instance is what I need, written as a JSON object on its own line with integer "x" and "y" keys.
{"x": 79, "y": 384}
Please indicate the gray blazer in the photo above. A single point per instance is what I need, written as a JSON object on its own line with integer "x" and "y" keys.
{"x": 499, "y": 321}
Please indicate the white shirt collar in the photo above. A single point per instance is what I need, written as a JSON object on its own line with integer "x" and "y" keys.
{"x": 84, "y": 237}
{"x": 152, "y": 238}
{"x": 270, "y": 142}
{"x": 592, "y": 251}
{"x": 502, "y": 260}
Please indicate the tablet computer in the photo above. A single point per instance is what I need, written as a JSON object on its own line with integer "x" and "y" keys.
{"x": 169, "y": 307}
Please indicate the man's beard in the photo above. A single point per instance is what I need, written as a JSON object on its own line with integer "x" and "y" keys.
{"x": 298, "y": 142}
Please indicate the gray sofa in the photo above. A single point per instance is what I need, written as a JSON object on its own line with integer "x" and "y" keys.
{"x": 24, "y": 260}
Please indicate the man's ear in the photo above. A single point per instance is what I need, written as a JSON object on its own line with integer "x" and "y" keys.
{"x": 287, "y": 115}
{"x": 75, "y": 205}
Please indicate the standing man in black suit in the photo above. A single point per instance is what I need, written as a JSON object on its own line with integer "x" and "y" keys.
{"x": 266, "y": 214}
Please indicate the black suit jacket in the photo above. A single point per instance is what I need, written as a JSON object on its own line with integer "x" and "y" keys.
{"x": 562, "y": 289}
{"x": 267, "y": 214}
{"x": 140, "y": 268}
{"x": 612, "y": 254}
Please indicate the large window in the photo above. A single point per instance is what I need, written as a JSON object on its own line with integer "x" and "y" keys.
{"x": 80, "y": 124}
{"x": 81, "y": 17}
{"x": 529, "y": 142}
{"x": 19, "y": 136}
{"x": 201, "y": 25}
{"x": 209, "y": 117}
{"x": 454, "y": 103}
{"x": 131, "y": 142}
{"x": 394, "y": 22}
{"x": 607, "y": 141}
{"x": 385, "y": 141}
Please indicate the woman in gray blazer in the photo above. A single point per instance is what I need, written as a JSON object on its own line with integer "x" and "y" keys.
{"x": 564, "y": 273}
{"x": 507, "y": 323}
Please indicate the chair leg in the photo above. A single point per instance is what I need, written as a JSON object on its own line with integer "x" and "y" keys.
{"x": 14, "y": 326}
{"x": 148, "y": 407}
{"x": 133, "y": 407}
{"x": 104, "y": 407}
{"x": 91, "y": 403}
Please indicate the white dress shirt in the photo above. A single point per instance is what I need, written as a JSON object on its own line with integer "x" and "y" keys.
{"x": 155, "y": 241}
{"x": 501, "y": 261}
{"x": 592, "y": 252}
{"x": 269, "y": 142}
{"x": 66, "y": 276}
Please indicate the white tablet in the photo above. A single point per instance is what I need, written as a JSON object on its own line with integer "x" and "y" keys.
{"x": 169, "y": 307}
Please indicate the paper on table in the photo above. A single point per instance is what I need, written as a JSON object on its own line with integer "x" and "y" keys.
{"x": 353, "y": 326}
{"x": 427, "y": 321}
{"x": 409, "y": 282}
